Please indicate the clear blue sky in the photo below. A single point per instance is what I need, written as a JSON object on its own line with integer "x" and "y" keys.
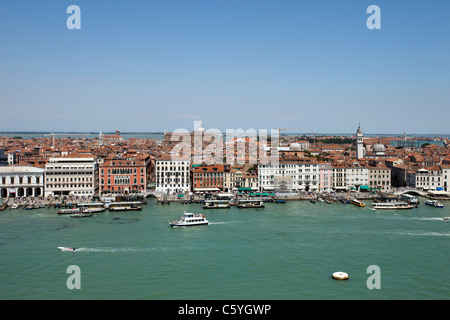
{"x": 161, "y": 64}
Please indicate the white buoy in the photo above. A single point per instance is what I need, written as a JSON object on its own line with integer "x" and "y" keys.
{"x": 340, "y": 275}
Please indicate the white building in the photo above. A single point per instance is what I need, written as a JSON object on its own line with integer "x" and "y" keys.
{"x": 426, "y": 179}
{"x": 172, "y": 175}
{"x": 445, "y": 177}
{"x": 357, "y": 176}
{"x": 74, "y": 174}
{"x": 294, "y": 176}
{"x": 21, "y": 181}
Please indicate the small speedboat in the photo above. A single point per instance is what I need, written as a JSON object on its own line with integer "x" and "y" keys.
{"x": 446, "y": 218}
{"x": 66, "y": 249}
{"x": 14, "y": 206}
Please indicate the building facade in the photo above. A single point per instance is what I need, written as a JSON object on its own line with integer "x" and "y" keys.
{"x": 289, "y": 176}
{"x": 74, "y": 174}
{"x": 21, "y": 181}
{"x": 380, "y": 178}
{"x": 426, "y": 179}
{"x": 339, "y": 177}
{"x": 208, "y": 178}
{"x": 445, "y": 177}
{"x": 325, "y": 176}
{"x": 357, "y": 176}
{"x": 124, "y": 175}
{"x": 172, "y": 175}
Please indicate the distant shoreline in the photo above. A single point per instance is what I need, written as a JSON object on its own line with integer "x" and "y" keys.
{"x": 395, "y": 135}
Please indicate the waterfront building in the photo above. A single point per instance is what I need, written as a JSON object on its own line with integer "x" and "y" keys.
{"x": 357, "y": 176}
{"x": 21, "y": 181}
{"x": 289, "y": 176}
{"x": 339, "y": 176}
{"x": 73, "y": 174}
{"x": 445, "y": 177}
{"x": 125, "y": 174}
{"x": 429, "y": 178}
{"x": 172, "y": 175}
{"x": 380, "y": 178}
{"x": 208, "y": 178}
{"x": 325, "y": 180}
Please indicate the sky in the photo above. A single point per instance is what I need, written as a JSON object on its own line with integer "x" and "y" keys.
{"x": 155, "y": 65}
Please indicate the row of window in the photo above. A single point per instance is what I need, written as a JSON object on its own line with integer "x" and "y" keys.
{"x": 122, "y": 181}
{"x": 122, "y": 171}
{"x": 20, "y": 180}
{"x": 83, "y": 185}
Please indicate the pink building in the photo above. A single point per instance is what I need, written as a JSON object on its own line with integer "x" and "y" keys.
{"x": 325, "y": 176}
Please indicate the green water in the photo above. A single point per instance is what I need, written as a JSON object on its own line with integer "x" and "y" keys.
{"x": 284, "y": 251}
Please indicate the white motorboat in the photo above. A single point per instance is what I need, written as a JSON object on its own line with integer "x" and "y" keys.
{"x": 189, "y": 219}
{"x": 434, "y": 203}
{"x": 14, "y": 206}
{"x": 66, "y": 249}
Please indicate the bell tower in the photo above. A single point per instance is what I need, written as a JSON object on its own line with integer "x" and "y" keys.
{"x": 359, "y": 143}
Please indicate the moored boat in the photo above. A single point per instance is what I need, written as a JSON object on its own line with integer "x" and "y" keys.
{"x": 125, "y": 206}
{"x": 357, "y": 203}
{"x": 69, "y": 211}
{"x": 82, "y": 215}
{"x": 250, "y": 204}
{"x": 216, "y": 204}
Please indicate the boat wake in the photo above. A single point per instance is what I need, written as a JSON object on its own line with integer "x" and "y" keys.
{"x": 113, "y": 250}
{"x": 428, "y": 234}
{"x": 223, "y": 222}
{"x": 428, "y": 219}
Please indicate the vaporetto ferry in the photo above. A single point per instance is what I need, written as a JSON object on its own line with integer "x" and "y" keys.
{"x": 397, "y": 205}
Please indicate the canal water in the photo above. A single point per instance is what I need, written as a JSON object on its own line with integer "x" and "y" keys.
{"x": 284, "y": 251}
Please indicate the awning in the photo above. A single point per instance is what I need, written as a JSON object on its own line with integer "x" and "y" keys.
{"x": 225, "y": 195}
{"x": 206, "y": 189}
{"x": 245, "y": 189}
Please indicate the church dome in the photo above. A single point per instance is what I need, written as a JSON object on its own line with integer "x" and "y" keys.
{"x": 295, "y": 146}
{"x": 379, "y": 148}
